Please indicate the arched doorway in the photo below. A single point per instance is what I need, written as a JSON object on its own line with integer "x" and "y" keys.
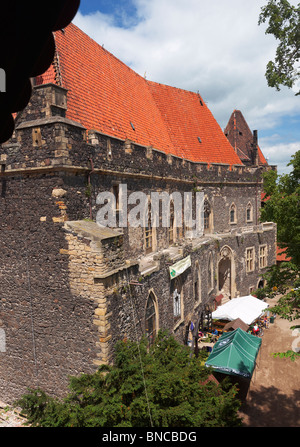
{"x": 225, "y": 277}
{"x": 261, "y": 283}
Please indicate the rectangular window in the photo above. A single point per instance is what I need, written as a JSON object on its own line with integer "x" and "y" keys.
{"x": 250, "y": 259}
{"x": 262, "y": 256}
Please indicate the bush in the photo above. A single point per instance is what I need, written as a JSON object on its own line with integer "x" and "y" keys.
{"x": 161, "y": 387}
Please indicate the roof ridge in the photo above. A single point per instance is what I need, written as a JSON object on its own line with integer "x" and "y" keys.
{"x": 174, "y": 87}
{"x": 56, "y": 66}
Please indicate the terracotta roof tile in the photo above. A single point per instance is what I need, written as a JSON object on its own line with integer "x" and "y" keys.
{"x": 281, "y": 255}
{"x": 106, "y": 95}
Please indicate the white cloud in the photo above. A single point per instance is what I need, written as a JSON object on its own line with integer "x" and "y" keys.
{"x": 216, "y": 48}
{"x": 280, "y": 154}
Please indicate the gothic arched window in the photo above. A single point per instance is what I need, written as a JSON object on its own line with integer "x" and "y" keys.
{"x": 150, "y": 319}
{"x": 249, "y": 213}
{"x": 233, "y": 213}
{"x": 210, "y": 273}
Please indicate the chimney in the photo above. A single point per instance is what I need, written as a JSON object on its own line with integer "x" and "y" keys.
{"x": 254, "y": 149}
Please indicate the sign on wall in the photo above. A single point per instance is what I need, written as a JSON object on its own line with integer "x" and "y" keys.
{"x": 180, "y": 267}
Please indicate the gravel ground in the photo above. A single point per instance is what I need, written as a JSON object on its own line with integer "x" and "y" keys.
{"x": 10, "y": 417}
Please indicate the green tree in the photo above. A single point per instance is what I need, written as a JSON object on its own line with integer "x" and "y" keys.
{"x": 284, "y": 24}
{"x": 283, "y": 207}
{"x": 160, "y": 387}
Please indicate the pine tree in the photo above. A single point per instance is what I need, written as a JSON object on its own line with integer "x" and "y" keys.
{"x": 160, "y": 387}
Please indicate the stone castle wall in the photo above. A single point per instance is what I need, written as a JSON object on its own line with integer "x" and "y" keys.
{"x": 69, "y": 291}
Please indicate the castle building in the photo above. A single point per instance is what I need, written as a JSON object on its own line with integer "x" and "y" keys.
{"x": 71, "y": 288}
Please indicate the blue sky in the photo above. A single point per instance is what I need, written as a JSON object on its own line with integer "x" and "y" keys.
{"x": 123, "y": 11}
{"x": 216, "y": 48}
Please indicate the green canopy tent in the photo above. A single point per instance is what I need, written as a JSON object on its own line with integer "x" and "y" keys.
{"x": 235, "y": 354}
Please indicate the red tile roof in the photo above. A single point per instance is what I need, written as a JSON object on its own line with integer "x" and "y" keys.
{"x": 281, "y": 255}
{"x": 264, "y": 197}
{"x": 106, "y": 95}
{"x": 187, "y": 117}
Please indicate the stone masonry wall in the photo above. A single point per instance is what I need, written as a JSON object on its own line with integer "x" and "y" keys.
{"x": 127, "y": 299}
{"x": 49, "y": 329}
{"x": 69, "y": 293}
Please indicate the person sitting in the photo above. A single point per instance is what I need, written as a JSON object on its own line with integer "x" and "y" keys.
{"x": 200, "y": 335}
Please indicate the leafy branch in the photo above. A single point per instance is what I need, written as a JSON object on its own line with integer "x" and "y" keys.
{"x": 283, "y": 21}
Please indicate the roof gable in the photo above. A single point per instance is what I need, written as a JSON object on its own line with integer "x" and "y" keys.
{"x": 240, "y": 137}
{"x": 106, "y": 95}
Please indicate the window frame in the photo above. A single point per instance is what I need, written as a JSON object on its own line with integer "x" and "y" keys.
{"x": 262, "y": 257}
{"x": 250, "y": 260}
